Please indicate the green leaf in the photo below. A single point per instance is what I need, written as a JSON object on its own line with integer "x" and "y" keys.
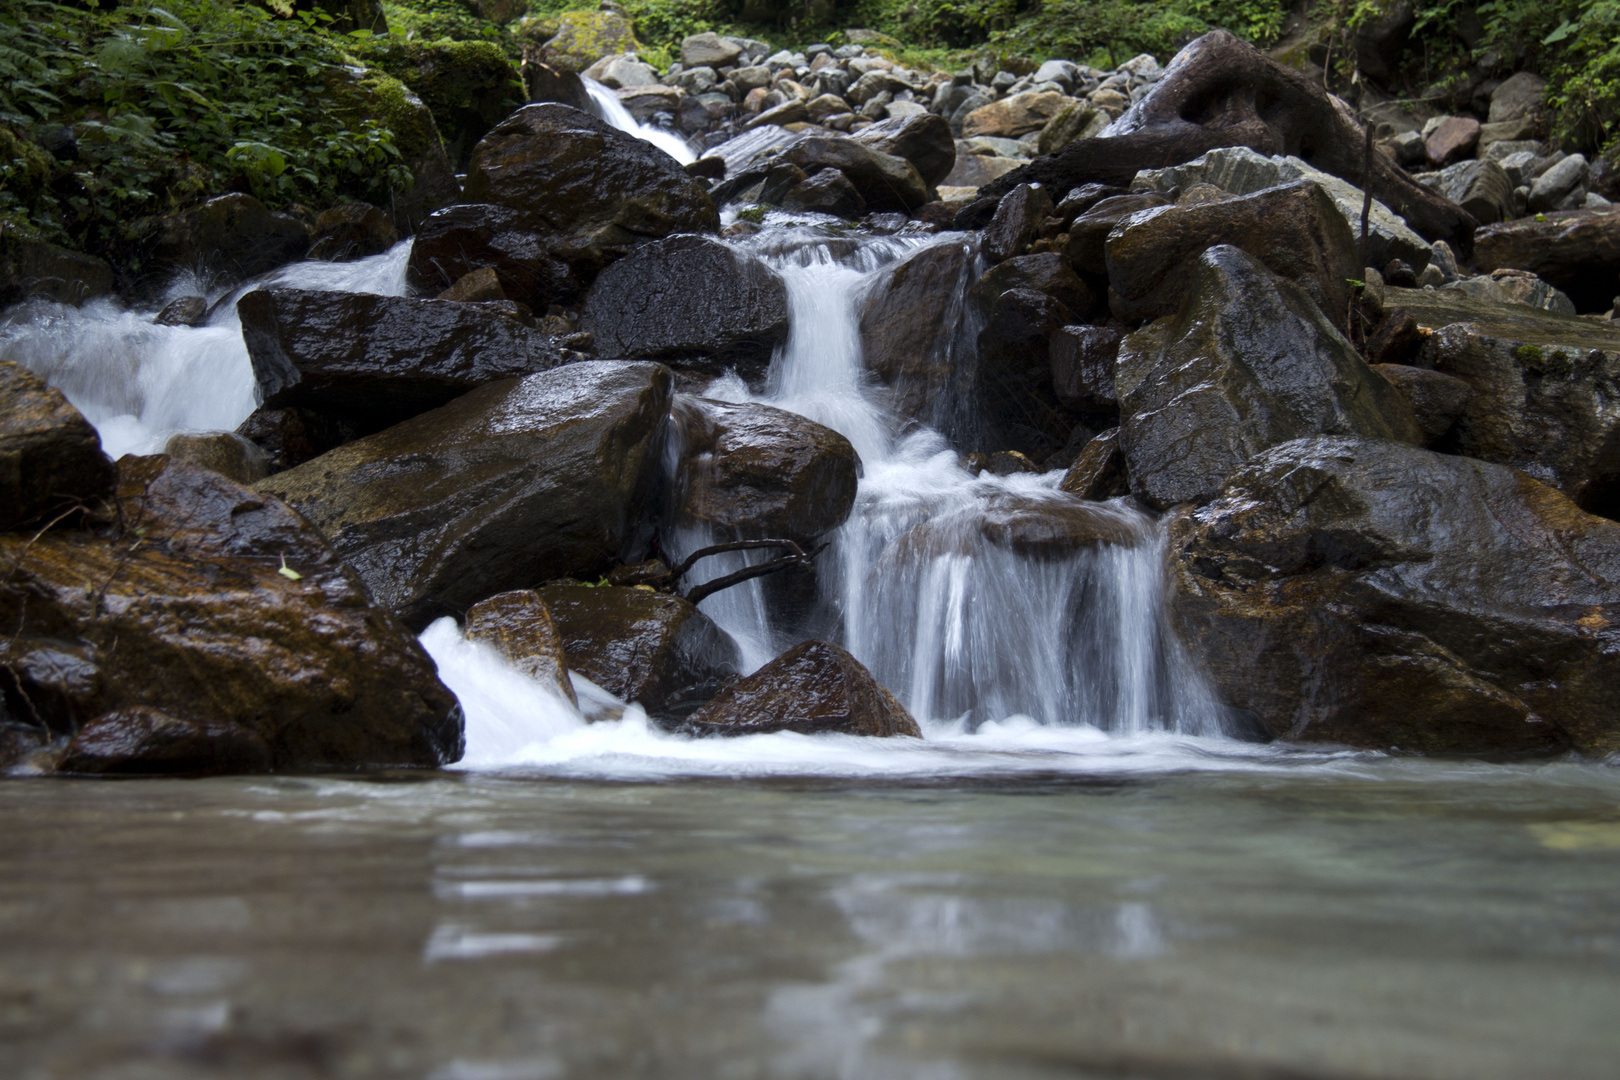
{"x": 1563, "y": 31}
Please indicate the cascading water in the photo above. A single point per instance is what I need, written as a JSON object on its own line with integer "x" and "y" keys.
{"x": 607, "y": 106}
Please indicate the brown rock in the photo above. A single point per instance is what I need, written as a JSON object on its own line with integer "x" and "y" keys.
{"x": 1437, "y": 399}
{"x": 475, "y": 286}
{"x": 186, "y": 311}
{"x": 643, "y": 646}
{"x": 352, "y": 231}
{"x": 1577, "y": 251}
{"x": 1017, "y": 115}
{"x": 1099, "y": 471}
{"x": 1018, "y": 218}
{"x": 50, "y": 456}
{"x": 141, "y": 741}
{"x": 233, "y": 456}
{"x": 1395, "y": 340}
{"x": 519, "y": 626}
{"x": 910, "y": 338}
{"x": 814, "y": 688}
{"x": 924, "y": 139}
{"x": 1453, "y": 140}
{"x": 1045, "y": 272}
{"x": 1088, "y": 233}
{"x": 1082, "y": 359}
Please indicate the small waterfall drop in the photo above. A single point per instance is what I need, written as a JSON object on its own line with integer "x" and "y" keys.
{"x": 612, "y": 111}
{"x": 140, "y": 383}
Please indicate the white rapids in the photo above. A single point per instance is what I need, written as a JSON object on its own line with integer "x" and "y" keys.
{"x": 607, "y": 106}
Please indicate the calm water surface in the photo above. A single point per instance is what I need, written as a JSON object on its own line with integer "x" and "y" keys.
{"x": 1350, "y": 916}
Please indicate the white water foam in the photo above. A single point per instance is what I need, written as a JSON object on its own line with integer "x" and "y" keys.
{"x": 139, "y": 383}
{"x": 613, "y": 112}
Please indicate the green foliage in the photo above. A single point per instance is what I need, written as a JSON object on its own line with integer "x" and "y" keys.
{"x": 453, "y": 20}
{"x": 169, "y": 102}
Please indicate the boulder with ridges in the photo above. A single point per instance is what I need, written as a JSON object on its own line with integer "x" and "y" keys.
{"x": 194, "y": 617}
{"x": 1363, "y": 592}
{"x": 814, "y": 688}
{"x": 923, "y": 139}
{"x": 517, "y": 482}
{"x": 1247, "y": 363}
{"x": 646, "y": 647}
{"x": 50, "y": 456}
{"x": 689, "y": 300}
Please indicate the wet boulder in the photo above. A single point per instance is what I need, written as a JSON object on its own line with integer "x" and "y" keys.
{"x": 233, "y": 456}
{"x": 1247, "y": 363}
{"x": 221, "y": 621}
{"x": 755, "y": 472}
{"x": 596, "y": 191}
{"x": 1362, "y": 592}
{"x": 924, "y": 139}
{"x": 517, "y": 482}
{"x": 460, "y": 240}
{"x": 1083, "y": 360}
{"x": 1437, "y": 399}
{"x": 1019, "y": 114}
{"x": 1294, "y": 230}
{"x": 1045, "y": 272}
{"x": 1017, "y": 219}
{"x": 1055, "y": 526}
{"x": 1017, "y": 403}
{"x": 827, "y": 192}
{"x": 1545, "y": 390}
{"x": 377, "y": 360}
{"x": 815, "y": 688}
{"x": 231, "y": 236}
{"x": 519, "y": 626}
{"x": 887, "y": 182}
{"x": 50, "y": 457}
{"x": 35, "y": 269}
{"x": 646, "y": 647}
{"x": 1099, "y": 471}
{"x": 691, "y": 301}
{"x": 352, "y": 231}
{"x": 912, "y": 337}
{"x": 1577, "y": 251}
{"x": 1088, "y": 233}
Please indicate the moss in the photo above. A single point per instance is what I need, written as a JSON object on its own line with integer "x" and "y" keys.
{"x": 583, "y": 37}
{"x": 464, "y": 84}
{"x": 390, "y": 101}
{"x": 1528, "y": 355}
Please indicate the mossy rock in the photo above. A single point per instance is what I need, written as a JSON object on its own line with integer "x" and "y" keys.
{"x": 417, "y": 137}
{"x": 468, "y": 86}
{"x": 584, "y": 37}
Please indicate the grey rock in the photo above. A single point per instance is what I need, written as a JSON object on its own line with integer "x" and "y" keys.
{"x": 1519, "y": 97}
{"x": 1559, "y": 183}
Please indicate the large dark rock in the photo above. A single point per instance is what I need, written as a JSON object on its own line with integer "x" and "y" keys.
{"x": 1364, "y": 592}
{"x": 755, "y": 472}
{"x": 689, "y": 300}
{"x": 377, "y": 360}
{"x": 1437, "y": 399}
{"x": 886, "y": 181}
{"x": 232, "y": 237}
{"x": 519, "y": 626}
{"x": 815, "y": 688}
{"x": 457, "y": 240}
{"x": 1577, "y": 251}
{"x": 924, "y": 139}
{"x": 1018, "y": 217}
{"x": 912, "y": 337}
{"x": 827, "y": 192}
{"x": 31, "y": 268}
{"x": 646, "y": 647}
{"x": 224, "y": 611}
{"x": 1083, "y": 360}
{"x": 1088, "y": 233}
{"x": 1294, "y": 230}
{"x": 351, "y": 231}
{"x": 597, "y": 191}
{"x": 1018, "y": 406}
{"x": 50, "y": 456}
{"x": 515, "y": 483}
{"x": 1247, "y": 363}
{"x": 1221, "y": 91}
{"x": 1045, "y": 272}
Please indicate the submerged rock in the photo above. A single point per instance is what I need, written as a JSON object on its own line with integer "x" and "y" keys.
{"x": 756, "y": 472}
{"x": 377, "y": 360}
{"x": 195, "y": 618}
{"x": 50, "y": 456}
{"x": 689, "y": 300}
{"x": 646, "y": 647}
{"x": 1363, "y": 592}
{"x": 1247, "y": 363}
{"x": 519, "y": 626}
{"x": 814, "y": 688}
{"x": 517, "y": 482}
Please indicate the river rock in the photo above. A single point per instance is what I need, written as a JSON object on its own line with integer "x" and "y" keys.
{"x": 352, "y": 231}
{"x": 754, "y": 472}
{"x": 709, "y": 50}
{"x": 1362, "y": 592}
{"x": 233, "y": 456}
{"x": 1562, "y": 186}
{"x": 1577, "y": 251}
{"x": 519, "y": 481}
{"x": 923, "y": 139}
{"x": 646, "y": 647}
{"x": 597, "y": 191}
{"x": 827, "y": 192}
{"x": 1437, "y": 399}
{"x": 1518, "y": 98}
{"x": 1018, "y": 405}
{"x": 1247, "y": 363}
{"x": 1053, "y": 526}
{"x": 1083, "y": 360}
{"x": 1017, "y": 219}
{"x": 1452, "y": 139}
{"x": 1294, "y": 230}
{"x": 911, "y": 336}
{"x": 460, "y": 240}
{"x": 234, "y": 236}
{"x": 377, "y": 360}
{"x": 34, "y": 269}
{"x": 50, "y": 456}
{"x": 1088, "y": 233}
{"x": 1546, "y": 390}
{"x": 519, "y": 626}
{"x": 1099, "y": 471}
{"x": 545, "y": 82}
{"x": 1480, "y": 187}
{"x": 194, "y": 617}
{"x": 1075, "y": 120}
{"x": 1016, "y": 115}
{"x": 141, "y": 741}
{"x": 886, "y": 181}
{"x": 1045, "y": 271}
{"x": 689, "y": 299}
{"x": 815, "y": 688}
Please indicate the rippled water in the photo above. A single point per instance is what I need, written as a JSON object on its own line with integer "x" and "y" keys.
{"x": 1175, "y": 912}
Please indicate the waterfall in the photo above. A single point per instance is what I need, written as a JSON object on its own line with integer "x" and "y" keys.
{"x": 140, "y": 383}
{"x": 607, "y": 106}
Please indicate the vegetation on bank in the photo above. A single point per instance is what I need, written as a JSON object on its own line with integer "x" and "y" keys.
{"x": 113, "y": 113}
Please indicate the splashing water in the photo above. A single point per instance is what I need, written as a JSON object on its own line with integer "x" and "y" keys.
{"x": 140, "y": 383}
{"x": 607, "y": 106}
